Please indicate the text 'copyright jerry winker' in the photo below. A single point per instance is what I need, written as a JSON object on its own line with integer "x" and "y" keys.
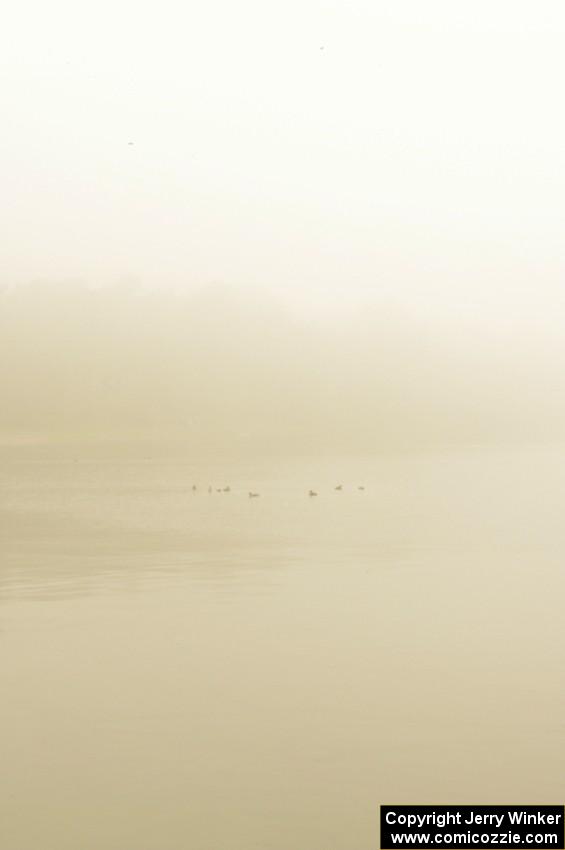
{"x": 472, "y": 826}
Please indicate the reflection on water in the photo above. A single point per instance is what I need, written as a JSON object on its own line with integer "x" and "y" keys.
{"x": 208, "y": 671}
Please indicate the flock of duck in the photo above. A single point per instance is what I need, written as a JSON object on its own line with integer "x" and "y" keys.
{"x": 254, "y": 495}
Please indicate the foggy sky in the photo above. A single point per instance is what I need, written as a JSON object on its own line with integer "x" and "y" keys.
{"x": 406, "y": 146}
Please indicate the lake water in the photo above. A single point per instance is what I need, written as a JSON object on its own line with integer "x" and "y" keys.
{"x": 191, "y": 671}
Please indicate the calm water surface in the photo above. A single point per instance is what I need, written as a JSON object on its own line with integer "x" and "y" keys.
{"x": 195, "y": 671}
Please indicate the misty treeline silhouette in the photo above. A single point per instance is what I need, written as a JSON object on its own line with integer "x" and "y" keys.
{"x": 227, "y": 368}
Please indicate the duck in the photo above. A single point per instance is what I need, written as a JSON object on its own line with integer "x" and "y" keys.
{"x": 312, "y": 493}
{"x": 253, "y": 495}
{"x": 339, "y": 487}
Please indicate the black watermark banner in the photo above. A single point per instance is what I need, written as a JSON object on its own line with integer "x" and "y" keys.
{"x": 472, "y": 826}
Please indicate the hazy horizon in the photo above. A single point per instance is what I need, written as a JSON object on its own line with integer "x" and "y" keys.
{"x": 241, "y": 369}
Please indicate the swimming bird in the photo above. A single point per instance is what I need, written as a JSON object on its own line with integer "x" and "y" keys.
{"x": 339, "y": 487}
{"x": 253, "y": 495}
{"x": 227, "y": 489}
{"x": 360, "y": 488}
{"x": 312, "y": 493}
